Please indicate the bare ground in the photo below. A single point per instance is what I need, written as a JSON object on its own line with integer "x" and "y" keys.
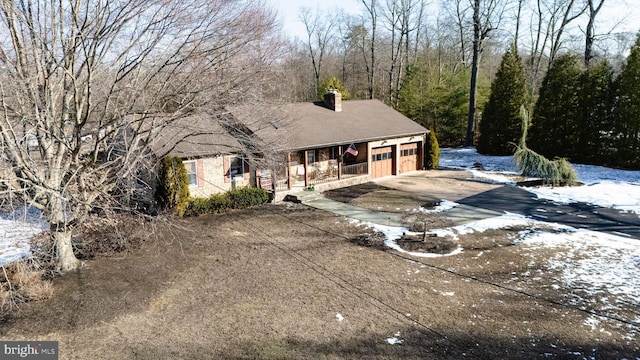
{"x": 285, "y": 281}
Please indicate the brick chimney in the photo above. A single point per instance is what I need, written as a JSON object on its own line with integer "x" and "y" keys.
{"x": 333, "y": 100}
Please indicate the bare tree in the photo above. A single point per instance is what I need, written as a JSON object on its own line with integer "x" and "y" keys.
{"x": 487, "y": 15}
{"x": 320, "y": 33}
{"x": 370, "y": 60}
{"x": 571, "y": 10}
{"x": 593, "y": 11}
{"x": 401, "y": 20}
{"x": 85, "y": 85}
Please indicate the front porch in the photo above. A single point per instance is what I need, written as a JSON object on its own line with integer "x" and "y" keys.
{"x": 342, "y": 165}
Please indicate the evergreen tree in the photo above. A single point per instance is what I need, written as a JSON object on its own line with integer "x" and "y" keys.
{"x": 596, "y": 121}
{"x": 557, "y": 172}
{"x": 500, "y": 126}
{"x": 433, "y": 151}
{"x": 439, "y": 99}
{"x": 172, "y": 191}
{"x": 627, "y": 111}
{"x": 332, "y": 83}
{"x": 554, "y": 126}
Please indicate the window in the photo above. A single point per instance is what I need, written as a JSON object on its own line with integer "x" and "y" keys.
{"x": 311, "y": 157}
{"x": 236, "y": 166}
{"x": 192, "y": 172}
{"x": 409, "y": 152}
{"x": 335, "y": 154}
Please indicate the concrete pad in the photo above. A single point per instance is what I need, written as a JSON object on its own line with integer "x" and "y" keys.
{"x": 358, "y": 213}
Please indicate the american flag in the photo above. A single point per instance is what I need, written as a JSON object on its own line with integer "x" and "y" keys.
{"x": 352, "y": 150}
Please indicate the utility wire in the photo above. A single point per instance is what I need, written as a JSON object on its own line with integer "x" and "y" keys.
{"x": 633, "y": 324}
{"x": 339, "y": 280}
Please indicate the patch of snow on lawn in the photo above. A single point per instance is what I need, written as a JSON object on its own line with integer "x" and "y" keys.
{"x": 16, "y": 230}
{"x": 444, "y": 205}
{"x": 393, "y": 233}
{"x": 465, "y": 158}
{"x": 395, "y": 339}
{"x": 597, "y": 263}
{"x": 507, "y": 220}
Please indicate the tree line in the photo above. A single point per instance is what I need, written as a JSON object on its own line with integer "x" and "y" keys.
{"x": 585, "y": 113}
{"x": 435, "y": 61}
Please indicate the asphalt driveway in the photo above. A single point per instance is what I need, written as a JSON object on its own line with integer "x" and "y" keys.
{"x": 462, "y": 188}
{"x": 578, "y": 215}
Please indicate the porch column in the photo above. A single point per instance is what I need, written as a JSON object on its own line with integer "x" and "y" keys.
{"x": 339, "y": 162}
{"x": 288, "y": 170}
{"x": 306, "y": 168}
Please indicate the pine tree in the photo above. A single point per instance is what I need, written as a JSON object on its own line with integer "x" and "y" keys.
{"x": 554, "y": 125}
{"x": 335, "y": 84}
{"x": 439, "y": 99}
{"x": 627, "y": 111}
{"x": 596, "y": 121}
{"x": 500, "y": 124}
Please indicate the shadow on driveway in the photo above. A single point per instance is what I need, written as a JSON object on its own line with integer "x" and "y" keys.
{"x": 578, "y": 215}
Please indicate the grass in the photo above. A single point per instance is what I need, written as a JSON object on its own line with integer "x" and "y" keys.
{"x": 268, "y": 283}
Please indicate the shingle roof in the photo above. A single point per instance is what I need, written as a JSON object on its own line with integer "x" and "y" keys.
{"x": 286, "y": 127}
{"x": 315, "y": 125}
{"x": 194, "y": 136}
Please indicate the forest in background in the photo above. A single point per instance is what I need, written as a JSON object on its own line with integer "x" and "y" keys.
{"x": 436, "y": 62}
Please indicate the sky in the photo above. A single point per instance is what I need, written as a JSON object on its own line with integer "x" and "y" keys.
{"x": 615, "y": 11}
{"x": 289, "y": 11}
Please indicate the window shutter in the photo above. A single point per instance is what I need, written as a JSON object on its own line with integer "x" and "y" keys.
{"x": 227, "y": 175}
{"x": 200, "y": 172}
{"x": 245, "y": 168}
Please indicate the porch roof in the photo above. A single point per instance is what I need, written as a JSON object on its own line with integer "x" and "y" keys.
{"x": 313, "y": 125}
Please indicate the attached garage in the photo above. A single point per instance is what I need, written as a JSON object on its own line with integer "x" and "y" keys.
{"x": 382, "y": 161}
{"x": 410, "y": 157}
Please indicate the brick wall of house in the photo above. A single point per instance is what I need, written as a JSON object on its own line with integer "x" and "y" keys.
{"x": 213, "y": 178}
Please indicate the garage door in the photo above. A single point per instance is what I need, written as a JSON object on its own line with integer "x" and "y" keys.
{"x": 382, "y": 162}
{"x": 409, "y": 157}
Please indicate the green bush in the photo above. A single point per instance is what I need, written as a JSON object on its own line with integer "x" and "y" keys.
{"x": 214, "y": 204}
{"x": 247, "y": 196}
{"x": 433, "y": 151}
{"x": 172, "y": 191}
{"x": 234, "y": 199}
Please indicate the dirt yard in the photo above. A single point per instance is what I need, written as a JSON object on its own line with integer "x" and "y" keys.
{"x": 288, "y": 282}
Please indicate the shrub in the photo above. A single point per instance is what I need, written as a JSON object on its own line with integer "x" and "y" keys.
{"x": 433, "y": 151}
{"x": 214, "y": 204}
{"x": 247, "y": 196}
{"x": 233, "y": 199}
{"x": 172, "y": 191}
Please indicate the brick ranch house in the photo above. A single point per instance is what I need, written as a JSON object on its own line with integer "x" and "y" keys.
{"x": 326, "y": 144}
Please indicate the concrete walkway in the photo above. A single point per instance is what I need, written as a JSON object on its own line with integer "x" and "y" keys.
{"x": 354, "y": 212}
{"x": 461, "y": 214}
